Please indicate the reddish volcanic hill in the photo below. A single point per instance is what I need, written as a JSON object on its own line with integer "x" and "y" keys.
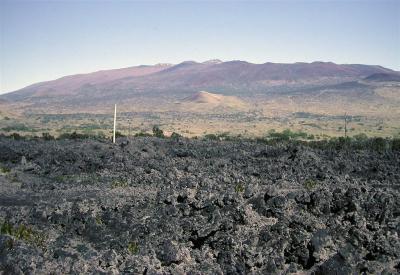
{"x": 207, "y": 99}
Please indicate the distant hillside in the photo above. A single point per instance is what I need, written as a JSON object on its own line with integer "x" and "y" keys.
{"x": 5, "y": 109}
{"x": 73, "y": 84}
{"x": 381, "y": 77}
{"x": 165, "y": 79}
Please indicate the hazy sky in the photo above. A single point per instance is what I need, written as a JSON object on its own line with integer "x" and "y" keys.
{"x": 45, "y": 40}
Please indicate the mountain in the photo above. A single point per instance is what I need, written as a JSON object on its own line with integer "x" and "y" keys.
{"x": 166, "y": 82}
{"x": 195, "y": 98}
{"x": 241, "y": 75}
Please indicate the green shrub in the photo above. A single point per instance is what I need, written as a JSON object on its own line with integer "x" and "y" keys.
{"x": 225, "y": 136}
{"x": 142, "y": 134}
{"x": 119, "y": 134}
{"x": 98, "y": 220}
{"x": 24, "y": 233}
{"x": 157, "y": 132}
{"x": 4, "y": 170}
{"x": 396, "y": 144}
{"x": 287, "y": 134}
{"x": 119, "y": 183}
{"x": 47, "y": 136}
{"x": 16, "y": 136}
{"x": 6, "y": 228}
{"x": 310, "y": 184}
{"x": 175, "y": 136}
{"x": 280, "y": 136}
{"x": 133, "y": 248}
{"x": 239, "y": 188}
{"x": 211, "y": 137}
{"x": 378, "y": 144}
{"x": 360, "y": 137}
{"x": 75, "y": 135}
{"x": 344, "y": 140}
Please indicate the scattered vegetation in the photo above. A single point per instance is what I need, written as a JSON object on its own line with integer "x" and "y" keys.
{"x": 310, "y": 184}
{"x": 142, "y": 134}
{"x": 98, "y": 220}
{"x": 396, "y": 144}
{"x": 223, "y": 136}
{"x": 157, "y": 132}
{"x": 288, "y": 135}
{"x": 119, "y": 183}
{"x": 18, "y": 127}
{"x": 239, "y": 188}
{"x": 359, "y": 141}
{"x": 83, "y": 178}
{"x": 76, "y": 135}
{"x": 119, "y": 134}
{"x": 379, "y": 144}
{"x": 16, "y": 136}
{"x": 211, "y": 137}
{"x": 23, "y": 233}
{"x": 4, "y": 170}
{"x": 133, "y": 248}
{"x": 175, "y": 135}
{"x": 47, "y": 136}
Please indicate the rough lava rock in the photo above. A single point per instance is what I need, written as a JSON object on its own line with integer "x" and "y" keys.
{"x": 180, "y": 206}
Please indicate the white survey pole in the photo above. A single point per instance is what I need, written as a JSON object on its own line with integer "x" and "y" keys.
{"x": 115, "y": 121}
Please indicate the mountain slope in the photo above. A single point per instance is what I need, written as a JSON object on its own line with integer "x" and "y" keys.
{"x": 382, "y": 77}
{"x": 241, "y": 73}
{"x": 68, "y": 85}
{"x": 172, "y": 82}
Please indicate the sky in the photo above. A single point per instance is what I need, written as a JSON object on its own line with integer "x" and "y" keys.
{"x": 44, "y": 40}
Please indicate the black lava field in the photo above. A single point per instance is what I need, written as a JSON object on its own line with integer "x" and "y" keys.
{"x": 184, "y": 206}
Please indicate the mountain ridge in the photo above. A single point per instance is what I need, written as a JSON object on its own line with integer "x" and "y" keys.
{"x": 124, "y": 72}
{"x": 169, "y": 82}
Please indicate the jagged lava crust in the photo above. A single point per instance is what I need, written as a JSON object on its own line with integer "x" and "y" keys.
{"x": 164, "y": 206}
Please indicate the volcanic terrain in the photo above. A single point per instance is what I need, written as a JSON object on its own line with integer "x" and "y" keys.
{"x": 180, "y": 206}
